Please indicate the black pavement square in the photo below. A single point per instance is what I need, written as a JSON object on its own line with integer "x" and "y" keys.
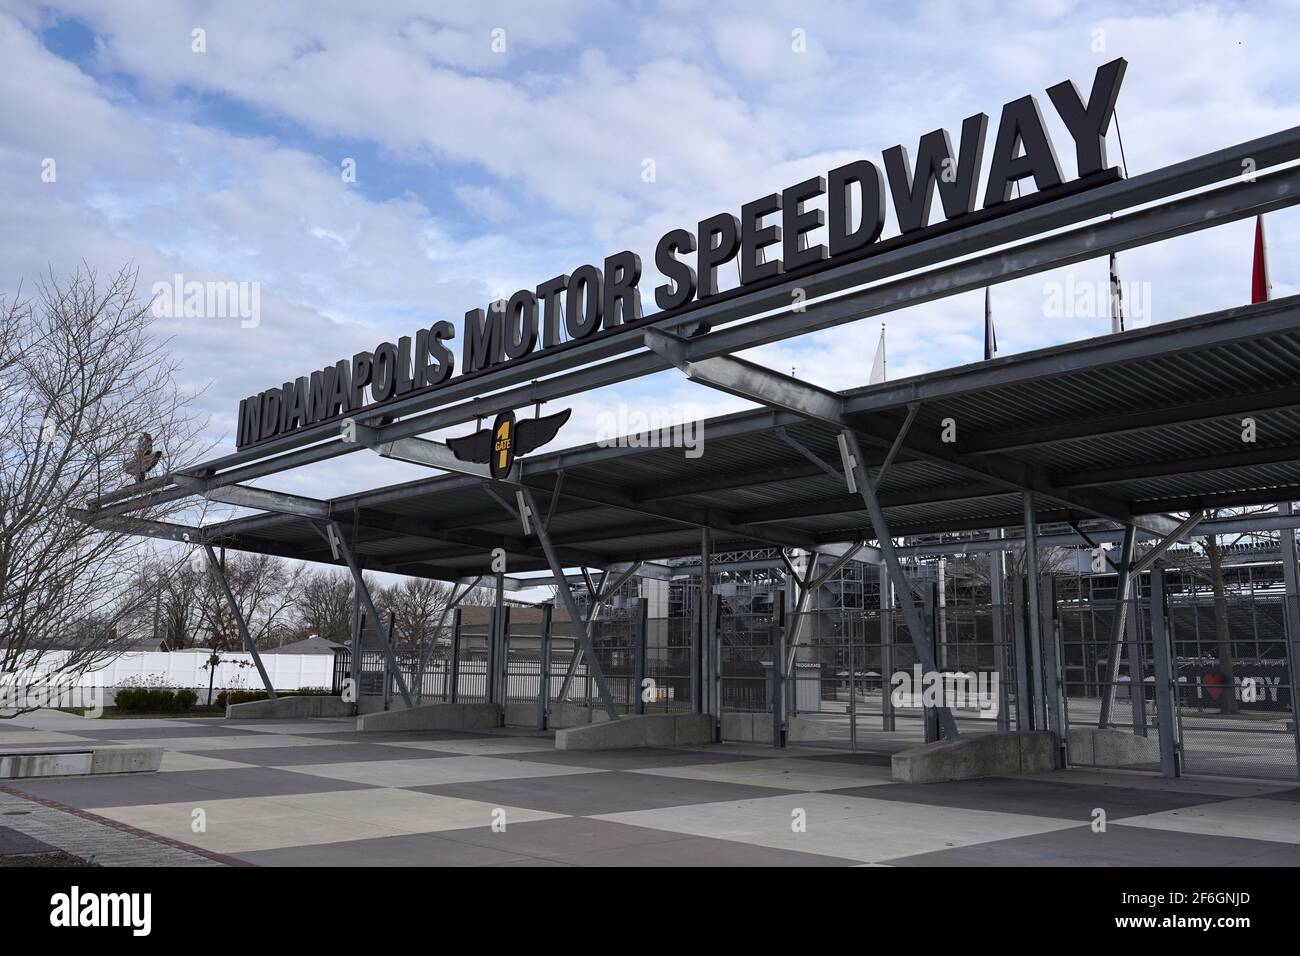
{"x": 589, "y": 794}
{"x": 1038, "y": 798}
{"x": 139, "y": 789}
{"x": 1119, "y": 846}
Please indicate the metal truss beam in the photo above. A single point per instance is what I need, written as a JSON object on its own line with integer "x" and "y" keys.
{"x": 748, "y": 380}
{"x": 144, "y": 527}
{"x": 260, "y": 498}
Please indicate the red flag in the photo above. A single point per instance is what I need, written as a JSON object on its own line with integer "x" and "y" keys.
{"x": 1259, "y": 285}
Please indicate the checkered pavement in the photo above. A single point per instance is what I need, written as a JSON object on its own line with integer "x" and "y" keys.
{"x": 319, "y": 793}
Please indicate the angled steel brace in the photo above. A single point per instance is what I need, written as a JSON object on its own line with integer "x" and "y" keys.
{"x": 509, "y": 508}
{"x": 600, "y": 596}
{"x": 811, "y": 455}
{"x": 912, "y": 409}
{"x": 1168, "y": 541}
{"x": 748, "y": 380}
{"x": 366, "y": 602}
{"x": 1087, "y": 539}
{"x": 145, "y": 527}
{"x": 215, "y": 567}
{"x": 916, "y": 626}
{"x": 584, "y": 635}
{"x": 555, "y": 498}
{"x": 259, "y": 498}
{"x": 808, "y": 586}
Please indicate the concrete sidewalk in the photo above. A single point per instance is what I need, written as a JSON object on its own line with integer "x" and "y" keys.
{"x": 319, "y": 793}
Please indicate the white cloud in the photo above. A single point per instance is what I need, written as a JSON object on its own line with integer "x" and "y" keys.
{"x": 483, "y": 170}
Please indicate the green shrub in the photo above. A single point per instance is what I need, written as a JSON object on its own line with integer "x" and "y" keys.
{"x": 155, "y": 699}
{"x": 228, "y": 697}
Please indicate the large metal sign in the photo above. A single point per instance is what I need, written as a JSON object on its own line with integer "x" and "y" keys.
{"x": 775, "y": 238}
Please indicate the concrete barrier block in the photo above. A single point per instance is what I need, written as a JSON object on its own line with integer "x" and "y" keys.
{"x": 801, "y": 729}
{"x": 1109, "y": 747}
{"x": 576, "y": 715}
{"x": 73, "y": 762}
{"x": 126, "y": 759}
{"x": 1037, "y": 752}
{"x": 282, "y": 708}
{"x": 20, "y": 766}
{"x": 986, "y": 755}
{"x": 738, "y": 727}
{"x": 648, "y": 730}
{"x": 521, "y": 715}
{"x": 434, "y": 717}
{"x": 693, "y": 730}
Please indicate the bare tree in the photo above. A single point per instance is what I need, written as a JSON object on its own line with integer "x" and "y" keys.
{"x": 324, "y": 604}
{"x": 82, "y": 379}
{"x": 265, "y": 589}
{"x": 419, "y": 604}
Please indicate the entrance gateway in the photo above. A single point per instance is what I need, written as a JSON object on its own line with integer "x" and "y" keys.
{"x": 1070, "y": 441}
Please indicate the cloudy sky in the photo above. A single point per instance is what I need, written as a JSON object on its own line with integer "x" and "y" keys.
{"x": 497, "y": 145}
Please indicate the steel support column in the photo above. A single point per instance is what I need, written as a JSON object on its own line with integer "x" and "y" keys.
{"x": 453, "y": 666}
{"x": 887, "y": 720}
{"x": 1025, "y": 690}
{"x": 215, "y": 567}
{"x": 999, "y": 626}
{"x": 356, "y": 648}
{"x": 1052, "y": 668}
{"x": 494, "y": 649}
{"x": 922, "y": 638}
{"x": 710, "y": 681}
{"x": 1119, "y": 617}
{"x": 544, "y": 668}
{"x": 778, "y": 676}
{"x": 1034, "y": 614}
{"x": 640, "y": 652}
{"x": 1291, "y": 614}
{"x": 1161, "y": 653}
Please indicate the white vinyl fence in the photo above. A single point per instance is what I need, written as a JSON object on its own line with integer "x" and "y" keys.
{"x": 189, "y": 669}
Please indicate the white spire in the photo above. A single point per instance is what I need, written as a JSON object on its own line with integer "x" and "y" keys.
{"x": 879, "y": 366}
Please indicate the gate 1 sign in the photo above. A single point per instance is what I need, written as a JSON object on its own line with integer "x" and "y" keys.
{"x": 775, "y": 238}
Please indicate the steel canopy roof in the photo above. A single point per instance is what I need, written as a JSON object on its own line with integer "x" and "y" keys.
{"x": 1146, "y": 421}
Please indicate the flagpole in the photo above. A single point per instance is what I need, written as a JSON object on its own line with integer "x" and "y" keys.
{"x": 1116, "y": 298}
